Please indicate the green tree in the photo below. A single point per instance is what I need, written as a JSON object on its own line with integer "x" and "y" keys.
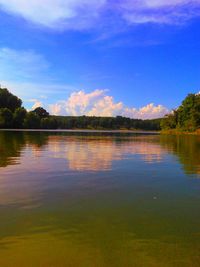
{"x": 170, "y": 121}
{"x": 32, "y": 121}
{"x": 186, "y": 117}
{"x": 19, "y": 117}
{"x": 6, "y": 118}
{"x": 8, "y": 100}
{"x": 48, "y": 123}
{"x": 41, "y": 112}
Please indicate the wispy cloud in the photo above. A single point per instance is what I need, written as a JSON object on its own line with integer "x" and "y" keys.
{"x": 81, "y": 14}
{"x": 160, "y": 11}
{"x": 20, "y": 69}
{"x": 98, "y": 103}
{"x": 56, "y": 13}
{"x": 21, "y": 64}
{"x": 27, "y": 74}
{"x": 37, "y": 92}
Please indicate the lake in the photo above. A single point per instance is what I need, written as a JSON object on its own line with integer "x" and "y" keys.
{"x": 99, "y": 200}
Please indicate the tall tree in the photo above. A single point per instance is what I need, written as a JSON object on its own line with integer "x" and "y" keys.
{"x": 8, "y": 100}
{"x": 32, "y": 121}
{"x": 19, "y": 117}
{"x": 6, "y": 118}
{"x": 186, "y": 117}
{"x": 41, "y": 112}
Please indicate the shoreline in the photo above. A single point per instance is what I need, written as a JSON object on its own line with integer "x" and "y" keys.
{"x": 168, "y": 132}
{"x": 176, "y": 132}
{"x": 80, "y": 131}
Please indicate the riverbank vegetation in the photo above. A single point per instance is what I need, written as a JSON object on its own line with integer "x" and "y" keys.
{"x": 185, "y": 119}
{"x": 14, "y": 115}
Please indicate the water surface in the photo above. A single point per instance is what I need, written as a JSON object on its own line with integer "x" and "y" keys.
{"x": 84, "y": 200}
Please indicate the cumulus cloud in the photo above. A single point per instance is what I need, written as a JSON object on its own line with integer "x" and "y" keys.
{"x": 81, "y": 14}
{"x": 98, "y": 103}
{"x": 36, "y": 103}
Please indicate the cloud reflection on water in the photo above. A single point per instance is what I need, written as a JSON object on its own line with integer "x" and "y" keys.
{"x": 98, "y": 155}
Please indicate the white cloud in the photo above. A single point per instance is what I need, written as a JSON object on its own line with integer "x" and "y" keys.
{"x": 36, "y": 103}
{"x": 81, "y": 14}
{"x": 54, "y": 13}
{"x": 160, "y": 11}
{"x": 149, "y": 111}
{"x": 97, "y": 103}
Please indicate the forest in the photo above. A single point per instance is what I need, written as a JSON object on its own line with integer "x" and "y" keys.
{"x": 14, "y": 116}
{"x": 186, "y": 117}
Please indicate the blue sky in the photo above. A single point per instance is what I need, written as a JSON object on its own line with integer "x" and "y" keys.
{"x": 136, "y": 58}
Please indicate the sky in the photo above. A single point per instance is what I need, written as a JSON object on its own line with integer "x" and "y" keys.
{"x": 135, "y": 58}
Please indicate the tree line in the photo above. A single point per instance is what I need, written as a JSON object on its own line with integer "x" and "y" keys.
{"x": 186, "y": 117}
{"x": 14, "y": 115}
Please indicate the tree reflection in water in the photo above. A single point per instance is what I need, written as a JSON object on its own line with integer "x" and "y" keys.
{"x": 96, "y": 152}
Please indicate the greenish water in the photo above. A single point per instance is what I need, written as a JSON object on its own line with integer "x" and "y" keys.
{"x": 100, "y": 200}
